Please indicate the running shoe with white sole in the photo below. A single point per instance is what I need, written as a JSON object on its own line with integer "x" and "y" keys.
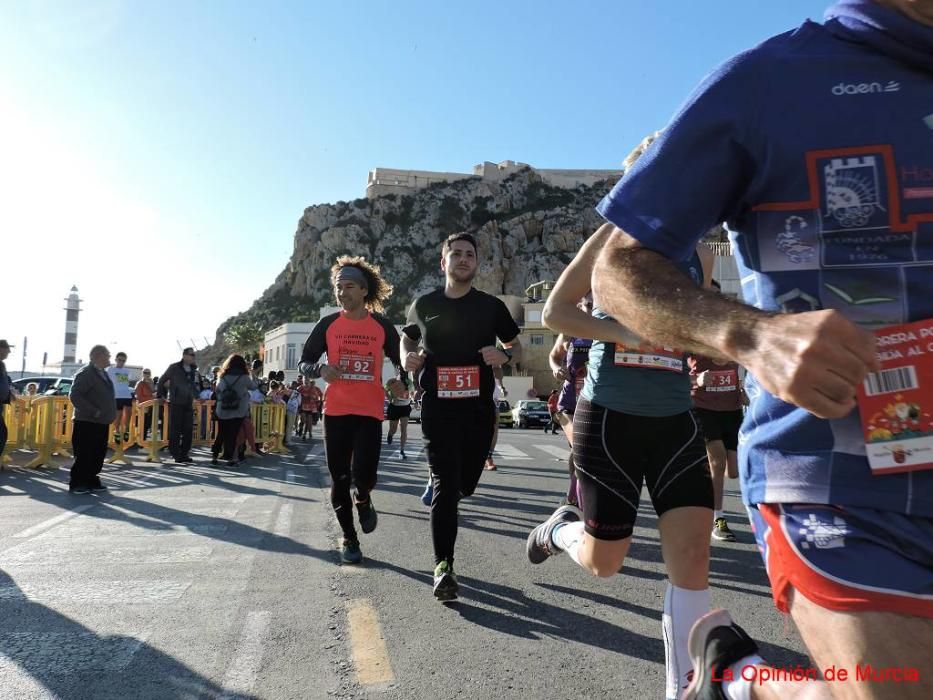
{"x": 715, "y": 644}
{"x": 445, "y": 582}
{"x": 722, "y": 532}
{"x": 539, "y": 545}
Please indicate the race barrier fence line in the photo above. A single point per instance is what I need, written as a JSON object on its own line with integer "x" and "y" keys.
{"x": 43, "y": 425}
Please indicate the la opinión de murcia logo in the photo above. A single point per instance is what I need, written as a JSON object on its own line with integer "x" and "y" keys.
{"x": 865, "y": 88}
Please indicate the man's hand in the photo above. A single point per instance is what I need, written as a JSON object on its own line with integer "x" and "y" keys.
{"x": 414, "y": 361}
{"x": 814, "y": 360}
{"x": 560, "y": 374}
{"x": 329, "y": 373}
{"x": 493, "y": 356}
{"x": 701, "y": 378}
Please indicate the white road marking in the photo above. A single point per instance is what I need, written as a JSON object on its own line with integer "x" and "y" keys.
{"x": 283, "y": 523}
{"x": 509, "y": 452}
{"x": 243, "y": 668}
{"x": 559, "y": 452}
{"x": 290, "y": 476}
{"x": 52, "y": 522}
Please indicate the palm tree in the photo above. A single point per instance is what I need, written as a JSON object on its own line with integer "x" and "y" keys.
{"x": 244, "y": 337}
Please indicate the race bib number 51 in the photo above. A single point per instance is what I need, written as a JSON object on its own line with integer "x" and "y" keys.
{"x": 895, "y": 404}
{"x": 458, "y": 382}
{"x": 357, "y": 368}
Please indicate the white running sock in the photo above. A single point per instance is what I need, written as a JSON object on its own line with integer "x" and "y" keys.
{"x": 569, "y": 537}
{"x": 717, "y": 514}
{"x": 739, "y": 688}
{"x": 682, "y": 608}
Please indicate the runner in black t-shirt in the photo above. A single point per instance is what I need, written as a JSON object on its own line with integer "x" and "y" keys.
{"x": 456, "y": 329}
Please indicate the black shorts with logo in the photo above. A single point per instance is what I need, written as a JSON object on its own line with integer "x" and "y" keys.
{"x": 616, "y": 453}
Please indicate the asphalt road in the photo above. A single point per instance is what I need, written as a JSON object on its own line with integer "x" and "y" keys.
{"x": 203, "y": 582}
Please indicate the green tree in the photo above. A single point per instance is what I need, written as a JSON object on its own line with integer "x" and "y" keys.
{"x": 245, "y": 337}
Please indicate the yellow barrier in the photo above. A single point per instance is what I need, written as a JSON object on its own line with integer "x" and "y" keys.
{"x": 44, "y": 425}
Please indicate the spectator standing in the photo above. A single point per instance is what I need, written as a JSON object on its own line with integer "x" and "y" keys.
{"x": 233, "y": 399}
{"x": 95, "y": 408}
{"x": 181, "y": 380}
{"x": 145, "y": 391}
{"x": 6, "y": 392}
{"x": 120, "y": 377}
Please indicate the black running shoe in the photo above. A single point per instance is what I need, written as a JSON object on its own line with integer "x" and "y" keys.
{"x": 715, "y": 643}
{"x": 97, "y": 486}
{"x": 445, "y": 582}
{"x": 368, "y": 516}
{"x": 388, "y": 439}
{"x": 539, "y": 545}
{"x": 351, "y": 553}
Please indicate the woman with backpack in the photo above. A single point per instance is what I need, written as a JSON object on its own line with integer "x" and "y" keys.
{"x": 232, "y": 391}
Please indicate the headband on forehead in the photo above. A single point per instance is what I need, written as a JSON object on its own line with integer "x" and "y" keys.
{"x": 350, "y": 273}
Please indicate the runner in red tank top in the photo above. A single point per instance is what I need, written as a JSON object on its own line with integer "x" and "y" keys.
{"x": 355, "y": 339}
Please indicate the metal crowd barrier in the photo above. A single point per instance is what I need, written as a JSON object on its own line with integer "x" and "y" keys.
{"x": 43, "y": 425}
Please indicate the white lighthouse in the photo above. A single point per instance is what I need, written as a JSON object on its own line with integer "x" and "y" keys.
{"x": 72, "y": 309}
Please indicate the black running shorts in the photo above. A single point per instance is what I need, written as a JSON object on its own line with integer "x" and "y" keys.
{"x": 395, "y": 412}
{"x": 615, "y": 453}
{"x": 124, "y": 403}
{"x": 720, "y": 425}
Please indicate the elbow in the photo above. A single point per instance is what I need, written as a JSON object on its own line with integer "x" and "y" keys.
{"x": 547, "y": 315}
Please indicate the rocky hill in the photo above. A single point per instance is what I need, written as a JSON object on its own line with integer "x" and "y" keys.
{"x": 526, "y": 230}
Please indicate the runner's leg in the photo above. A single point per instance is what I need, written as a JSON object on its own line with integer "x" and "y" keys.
{"x": 403, "y": 433}
{"x": 339, "y": 433}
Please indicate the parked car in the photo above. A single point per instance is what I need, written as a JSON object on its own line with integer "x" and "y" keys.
{"x": 48, "y": 386}
{"x": 505, "y": 414}
{"x": 531, "y": 412}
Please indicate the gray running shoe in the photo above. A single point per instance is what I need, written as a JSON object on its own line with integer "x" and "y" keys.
{"x": 539, "y": 546}
{"x": 445, "y": 582}
{"x": 351, "y": 553}
{"x": 722, "y": 532}
{"x": 715, "y": 643}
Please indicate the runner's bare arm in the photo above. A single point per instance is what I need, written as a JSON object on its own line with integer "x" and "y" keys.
{"x": 558, "y": 356}
{"x": 561, "y": 312}
{"x": 814, "y": 360}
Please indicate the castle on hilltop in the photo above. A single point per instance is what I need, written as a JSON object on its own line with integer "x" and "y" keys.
{"x": 392, "y": 181}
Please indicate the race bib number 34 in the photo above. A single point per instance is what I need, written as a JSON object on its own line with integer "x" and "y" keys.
{"x": 357, "y": 368}
{"x": 895, "y": 404}
{"x": 719, "y": 381}
{"x": 458, "y": 382}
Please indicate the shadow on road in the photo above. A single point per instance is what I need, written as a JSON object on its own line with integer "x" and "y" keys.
{"x": 75, "y": 663}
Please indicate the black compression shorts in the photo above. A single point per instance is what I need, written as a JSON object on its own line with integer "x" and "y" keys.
{"x": 615, "y": 453}
{"x": 720, "y": 425}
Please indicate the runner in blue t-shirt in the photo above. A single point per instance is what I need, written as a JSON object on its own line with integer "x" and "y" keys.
{"x": 632, "y": 426}
{"x": 814, "y": 148}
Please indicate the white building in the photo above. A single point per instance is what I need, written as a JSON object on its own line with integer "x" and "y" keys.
{"x": 283, "y": 345}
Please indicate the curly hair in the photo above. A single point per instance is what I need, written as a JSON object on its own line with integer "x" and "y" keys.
{"x": 638, "y": 150}
{"x": 378, "y": 290}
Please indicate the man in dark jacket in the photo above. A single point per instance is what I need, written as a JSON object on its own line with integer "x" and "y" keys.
{"x": 6, "y": 392}
{"x": 95, "y": 407}
{"x": 182, "y": 381}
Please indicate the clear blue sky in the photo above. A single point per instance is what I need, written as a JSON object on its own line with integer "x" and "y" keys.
{"x": 177, "y": 143}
